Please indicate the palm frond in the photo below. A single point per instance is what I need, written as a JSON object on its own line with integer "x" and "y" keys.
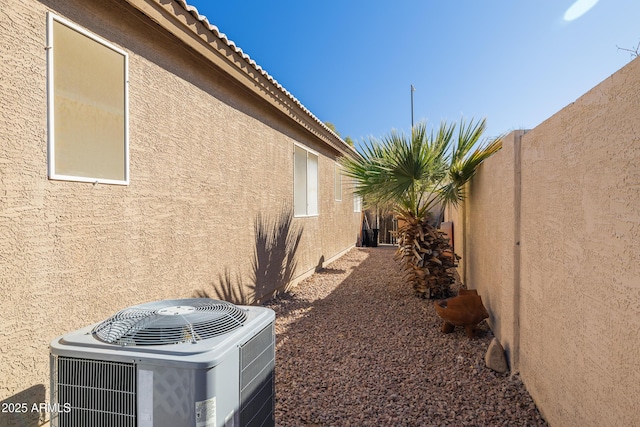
{"x": 418, "y": 172}
{"x": 464, "y": 169}
{"x": 468, "y": 136}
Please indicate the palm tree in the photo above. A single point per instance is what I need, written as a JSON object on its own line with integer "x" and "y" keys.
{"x": 415, "y": 176}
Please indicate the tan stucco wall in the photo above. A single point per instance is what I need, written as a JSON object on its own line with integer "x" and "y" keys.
{"x": 207, "y": 158}
{"x": 571, "y": 296}
{"x": 484, "y": 236}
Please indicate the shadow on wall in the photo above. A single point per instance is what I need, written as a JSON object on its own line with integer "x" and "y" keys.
{"x": 273, "y": 266}
{"x": 225, "y": 290}
{"x": 24, "y": 409}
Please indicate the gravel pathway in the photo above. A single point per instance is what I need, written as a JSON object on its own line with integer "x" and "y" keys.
{"x": 356, "y": 348}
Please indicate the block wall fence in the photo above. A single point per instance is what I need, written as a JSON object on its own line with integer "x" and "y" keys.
{"x": 550, "y": 236}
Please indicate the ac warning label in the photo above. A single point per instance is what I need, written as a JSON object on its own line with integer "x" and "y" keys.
{"x": 206, "y": 413}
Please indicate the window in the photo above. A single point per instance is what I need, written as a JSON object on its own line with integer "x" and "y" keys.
{"x": 305, "y": 182}
{"x": 87, "y": 106}
{"x": 338, "y": 183}
{"x": 357, "y": 203}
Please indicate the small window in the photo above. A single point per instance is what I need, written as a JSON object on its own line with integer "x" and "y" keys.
{"x": 87, "y": 106}
{"x": 338, "y": 183}
{"x": 305, "y": 182}
{"x": 357, "y": 203}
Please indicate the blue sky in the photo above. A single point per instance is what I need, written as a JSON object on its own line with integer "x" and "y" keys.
{"x": 352, "y": 63}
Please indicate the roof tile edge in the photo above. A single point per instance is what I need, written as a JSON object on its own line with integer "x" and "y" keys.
{"x": 338, "y": 143}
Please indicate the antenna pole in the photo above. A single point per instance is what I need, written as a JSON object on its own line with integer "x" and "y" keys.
{"x": 413, "y": 89}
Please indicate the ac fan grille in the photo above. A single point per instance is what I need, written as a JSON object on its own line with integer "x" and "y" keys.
{"x": 147, "y": 325}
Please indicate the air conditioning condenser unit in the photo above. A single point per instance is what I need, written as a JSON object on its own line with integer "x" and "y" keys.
{"x": 174, "y": 363}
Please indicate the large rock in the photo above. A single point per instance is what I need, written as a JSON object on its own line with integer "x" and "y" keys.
{"x": 495, "y": 358}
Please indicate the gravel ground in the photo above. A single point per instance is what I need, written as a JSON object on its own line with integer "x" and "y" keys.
{"x": 356, "y": 348}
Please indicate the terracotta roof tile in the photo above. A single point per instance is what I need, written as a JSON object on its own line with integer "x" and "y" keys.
{"x": 203, "y": 19}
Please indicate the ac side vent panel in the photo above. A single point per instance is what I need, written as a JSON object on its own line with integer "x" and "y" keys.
{"x": 257, "y": 375}
{"x": 98, "y": 393}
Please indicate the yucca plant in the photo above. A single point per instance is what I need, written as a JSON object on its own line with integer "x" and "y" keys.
{"x": 415, "y": 176}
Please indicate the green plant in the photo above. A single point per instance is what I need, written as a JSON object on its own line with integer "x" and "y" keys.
{"x": 415, "y": 176}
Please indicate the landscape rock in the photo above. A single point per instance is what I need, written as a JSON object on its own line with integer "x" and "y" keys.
{"x": 355, "y": 345}
{"x": 495, "y": 358}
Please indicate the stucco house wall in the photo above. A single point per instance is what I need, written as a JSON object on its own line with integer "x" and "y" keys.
{"x": 211, "y": 171}
{"x": 551, "y": 240}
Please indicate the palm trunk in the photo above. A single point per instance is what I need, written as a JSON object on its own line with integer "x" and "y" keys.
{"x": 427, "y": 256}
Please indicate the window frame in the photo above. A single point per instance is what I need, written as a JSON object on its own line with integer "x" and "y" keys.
{"x": 337, "y": 182}
{"x": 357, "y": 203}
{"x": 53, "y": 174}
{"x": 307, "y": 213}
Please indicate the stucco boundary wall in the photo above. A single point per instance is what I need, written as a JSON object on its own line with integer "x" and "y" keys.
{"x": 550, "y": 237}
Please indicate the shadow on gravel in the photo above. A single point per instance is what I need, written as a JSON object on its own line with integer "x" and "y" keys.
{"x": 329, "y": 271}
